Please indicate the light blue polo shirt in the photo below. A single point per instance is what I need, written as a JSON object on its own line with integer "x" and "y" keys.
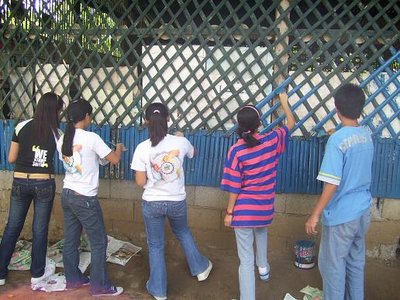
{"x": 347, "y": 163}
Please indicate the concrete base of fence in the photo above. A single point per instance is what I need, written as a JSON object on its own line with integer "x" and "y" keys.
{"x": 120, "y": 200}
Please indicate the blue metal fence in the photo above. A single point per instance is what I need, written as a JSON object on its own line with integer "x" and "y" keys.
{"x": 297, "y": 170}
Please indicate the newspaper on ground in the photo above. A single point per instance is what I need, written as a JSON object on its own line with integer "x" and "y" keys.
{"x": 120, "y": 252}
{"x": 84, "y": 261}
{"x": 312, "y": 293}
{"x": 289, "y": 297}
{"x": 54, "y": 283}
{"x": 21, "y": 258}
{"x": 55, "y": 253}
{"x": 48, "y": 272}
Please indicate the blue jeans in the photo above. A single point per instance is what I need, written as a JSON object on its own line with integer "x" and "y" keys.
{"x": 342, "y": 259}
{"x": 83, "y": 212}
{"x": 245, "y": 248}
{"x": 154, "y": 214}
{"x": 22, "y": 193}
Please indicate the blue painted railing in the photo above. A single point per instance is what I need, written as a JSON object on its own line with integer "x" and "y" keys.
{"x": 297, "y": 170}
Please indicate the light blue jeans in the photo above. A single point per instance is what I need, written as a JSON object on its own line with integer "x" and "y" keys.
{"x": 341, "y": 259}
{"x": 244, "y": 241}
{"x": 154, "y": 214}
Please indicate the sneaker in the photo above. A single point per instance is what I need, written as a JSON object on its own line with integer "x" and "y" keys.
{"x": 203, "y": 276}
{"x": 264, "y": 273}
{"x": 159, "y": 298}
{"x": 2, "y": 281}
{"x": 70, "y": 286}
{"x": 155, "y": 297}
{"x": 264, "y": 277}
{"x": 48, "y": 271}
{"x": 112, "y": 291}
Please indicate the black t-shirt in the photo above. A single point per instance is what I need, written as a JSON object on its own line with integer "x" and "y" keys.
{"x": 33, "y": 156}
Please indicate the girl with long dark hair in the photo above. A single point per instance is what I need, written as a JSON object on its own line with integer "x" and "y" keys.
{"x": 158, "y": 163}
{"x": 82, "y": 151}
{"x": 32, "y": 150}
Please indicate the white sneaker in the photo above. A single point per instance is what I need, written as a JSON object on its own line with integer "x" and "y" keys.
{"x": 48, "y": 271}
{"x": 203, "y": 276}
{"x": 264, "y": 273}
{"x": 160, "y": 298}
{"x": 2, "y": 282}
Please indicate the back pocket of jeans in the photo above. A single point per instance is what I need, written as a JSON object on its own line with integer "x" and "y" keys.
{"x": 15, "y": 190}
{"x": 45, "y": 193}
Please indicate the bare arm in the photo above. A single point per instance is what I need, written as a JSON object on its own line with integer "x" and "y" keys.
{"x": 140, "y": 178}
{"x": 115, "y": 156}
{"x": 327, "y": 193}
{"x": 13, "y": 153}
{"x": 229, "y": 209}
{"x": 283, "y": 98}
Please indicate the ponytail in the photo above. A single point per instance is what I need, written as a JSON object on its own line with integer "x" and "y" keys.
{"x": 248, "y": 137}
{"x": 248, "y": 121}
{"x": 76, "y": 112}
{"x": 69, "y": 134}
{"x": 157, "y": 118}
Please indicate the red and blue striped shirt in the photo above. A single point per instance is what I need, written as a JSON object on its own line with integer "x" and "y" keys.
{"x": 250, "y": 172}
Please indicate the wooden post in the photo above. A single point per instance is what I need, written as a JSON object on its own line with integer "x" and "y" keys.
{"x": 281, "y": 48}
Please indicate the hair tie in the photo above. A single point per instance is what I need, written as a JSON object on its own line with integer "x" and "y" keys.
{"x": 253, "y": 108}
{"x": 156, "y": 111}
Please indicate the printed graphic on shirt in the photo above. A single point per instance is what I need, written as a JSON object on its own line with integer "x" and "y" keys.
{"x": 73, "y": 164}
{"x": 354, "y": 140}
{"x": 40, "y": 158}
{"x": 166, "y": 166}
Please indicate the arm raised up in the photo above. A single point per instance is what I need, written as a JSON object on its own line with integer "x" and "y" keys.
{"x": 283, "y": 98}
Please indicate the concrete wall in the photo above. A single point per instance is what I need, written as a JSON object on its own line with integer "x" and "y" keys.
{"x": 120, "y": 201}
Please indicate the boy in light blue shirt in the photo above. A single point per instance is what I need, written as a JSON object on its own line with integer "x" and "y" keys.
{"x": 345, "y": 200}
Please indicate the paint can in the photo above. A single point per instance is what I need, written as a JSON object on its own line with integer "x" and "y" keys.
{"x": 305, "y": 256}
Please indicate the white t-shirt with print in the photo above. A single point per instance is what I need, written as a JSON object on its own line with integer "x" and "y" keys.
{"x": 163, "y": 165}
{"x": 82, "y": 168}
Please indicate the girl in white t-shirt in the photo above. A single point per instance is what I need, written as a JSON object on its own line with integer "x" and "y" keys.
{"x": 158, "y": 162}
{"x": 81, "y": 152}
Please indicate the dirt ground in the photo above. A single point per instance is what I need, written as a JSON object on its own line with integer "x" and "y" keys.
{"x": 382, "y": 278}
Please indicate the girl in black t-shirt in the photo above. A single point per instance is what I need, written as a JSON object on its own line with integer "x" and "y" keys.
{"x": 32, "y": 150}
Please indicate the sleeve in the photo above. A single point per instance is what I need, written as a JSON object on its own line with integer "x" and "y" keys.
{"x": 138, "y": 163}
{"x": 15, "y": 137}
{"x": 190, "y": 149}
{"x": 100, "y": 147}
{"x": 59, "y": 145}
{"x": 231, "y": 177}
{"x": 283, "y": 138}
{"x": 332, "y": 164}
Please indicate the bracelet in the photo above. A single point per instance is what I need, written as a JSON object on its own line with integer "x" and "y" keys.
{"x": 229, "y": 213}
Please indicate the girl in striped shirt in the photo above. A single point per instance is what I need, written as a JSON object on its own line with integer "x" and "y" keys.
{"x": 250, "y": 178}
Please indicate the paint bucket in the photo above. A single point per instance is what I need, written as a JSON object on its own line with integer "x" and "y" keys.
{"x": 305, "y": 254}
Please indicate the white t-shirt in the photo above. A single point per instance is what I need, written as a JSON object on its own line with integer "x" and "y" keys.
{"x": 82, "y": 168}
{"x": 163, "y": 165}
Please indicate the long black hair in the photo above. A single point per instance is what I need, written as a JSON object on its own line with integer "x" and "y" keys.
{"x": 157, "y": 117}
{"x": 76, "y": 112}
{"x": 248, "y": 119}
{"x": 45, "y": 119}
